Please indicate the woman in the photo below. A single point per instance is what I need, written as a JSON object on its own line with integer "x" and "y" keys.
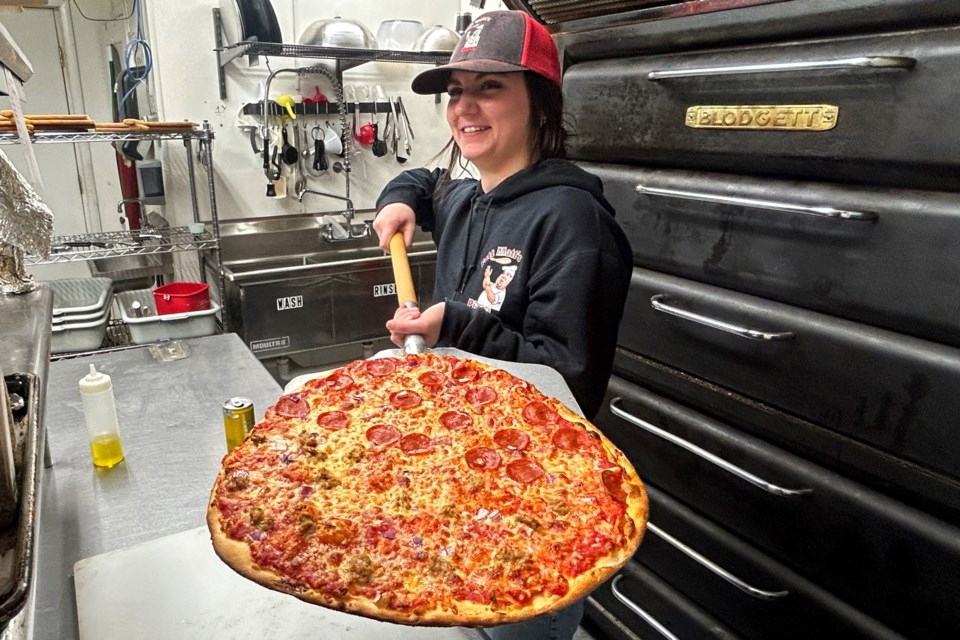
{"x": 568, "y": 261}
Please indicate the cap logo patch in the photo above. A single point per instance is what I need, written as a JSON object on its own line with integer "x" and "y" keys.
{"x": 472, "y": 39}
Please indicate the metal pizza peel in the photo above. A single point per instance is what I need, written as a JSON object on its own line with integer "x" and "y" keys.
{"x": 546, "y": 379}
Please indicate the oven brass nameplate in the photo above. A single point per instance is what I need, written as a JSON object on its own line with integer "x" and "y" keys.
{"x": 780, "y": 117}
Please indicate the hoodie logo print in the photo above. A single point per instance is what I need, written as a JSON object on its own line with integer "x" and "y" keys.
{"x": 499, "y": 268}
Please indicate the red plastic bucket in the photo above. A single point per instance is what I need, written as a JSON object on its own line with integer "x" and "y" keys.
{"x": 181, "y": 297}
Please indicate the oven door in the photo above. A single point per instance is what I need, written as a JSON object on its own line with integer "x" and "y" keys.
{"x": 868, "y": 110}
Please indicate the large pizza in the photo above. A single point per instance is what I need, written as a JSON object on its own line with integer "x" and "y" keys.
{"x": 427, "y": 490}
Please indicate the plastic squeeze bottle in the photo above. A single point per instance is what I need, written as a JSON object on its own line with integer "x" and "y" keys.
{"x": 100, "y": 414}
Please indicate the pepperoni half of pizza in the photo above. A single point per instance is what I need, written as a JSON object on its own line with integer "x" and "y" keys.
{"x": 427, "y": 490}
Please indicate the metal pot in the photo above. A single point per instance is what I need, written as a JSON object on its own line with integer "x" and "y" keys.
{"x": 437, "y": 38}
{"x": 340, "y": 33}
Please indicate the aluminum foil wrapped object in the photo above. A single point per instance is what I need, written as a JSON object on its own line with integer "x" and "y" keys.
{"x": 26, "y": 225}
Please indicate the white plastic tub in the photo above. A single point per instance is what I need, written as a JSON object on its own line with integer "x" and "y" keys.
{"x": 75, "y": 299}
{"x": 78, "y": 336}
{"x": 152, "y": 327}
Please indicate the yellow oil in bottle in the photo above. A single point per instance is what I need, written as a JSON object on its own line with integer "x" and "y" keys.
{"x": 106, "y": 450}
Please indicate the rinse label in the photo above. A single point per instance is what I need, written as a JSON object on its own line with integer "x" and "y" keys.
{"x": 381, "y": 290}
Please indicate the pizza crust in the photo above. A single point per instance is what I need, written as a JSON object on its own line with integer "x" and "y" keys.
{"x": 237, "y": 555}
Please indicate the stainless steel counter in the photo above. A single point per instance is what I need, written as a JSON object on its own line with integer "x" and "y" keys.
{"x": 173, "y": 440}
{"x": 25, "y": 331}
{"x": 25, "y": 348}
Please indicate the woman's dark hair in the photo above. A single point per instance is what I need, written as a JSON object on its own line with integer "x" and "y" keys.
{"x": 548, "y": 135}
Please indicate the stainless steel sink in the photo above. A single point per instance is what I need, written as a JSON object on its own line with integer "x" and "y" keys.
{"x": 274, "y": 264}
{"x": 287, "y": 290}
{"x": 131, "y": 272}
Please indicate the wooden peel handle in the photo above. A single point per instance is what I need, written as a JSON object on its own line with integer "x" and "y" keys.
{"x": 401, "y": 271}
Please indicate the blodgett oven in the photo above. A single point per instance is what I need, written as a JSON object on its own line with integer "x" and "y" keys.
{"x": 788, "y": 368}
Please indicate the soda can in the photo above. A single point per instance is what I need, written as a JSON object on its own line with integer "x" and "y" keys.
{"x": 238, "y": 420}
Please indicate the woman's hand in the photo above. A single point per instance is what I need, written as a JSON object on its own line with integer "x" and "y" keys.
{"x": 410, "y": 320}
{"x": 393, "y": 218}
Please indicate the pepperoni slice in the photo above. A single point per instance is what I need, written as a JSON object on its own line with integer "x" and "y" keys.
{"x": 463, "y": 373}
{"x": 405, "y": 399}
{"x": 333, "y": 420}
{"x": 337, "y": 381}
{"x": 482, "y": 458}
{"x": 511, "y": 439}
{"x": 478, "y": 396}
{"x": 432, "y": 379}
{"x": 416, "y": 443}
{"x": 292, "y": 406}
{"x": 381, "y": 366}
{"x": 382, "y": 434}
{"x": 613, "y": 482}
{"x": 537, "y": 412}
{"x": 525, "y": 470}
{"x": 456, "y": 420}
{"x": 570, "y": 438}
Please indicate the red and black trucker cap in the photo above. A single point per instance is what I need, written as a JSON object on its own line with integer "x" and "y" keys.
{"x": 497, "y": 42}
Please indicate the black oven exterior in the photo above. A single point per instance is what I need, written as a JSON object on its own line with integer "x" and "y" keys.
{"x": 787, "y": 174}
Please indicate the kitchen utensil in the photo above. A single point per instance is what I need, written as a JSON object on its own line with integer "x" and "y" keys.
{"x": 338, "y": 32}
{"x": 395, "y": 132}
{"x": 300, "y": 178}
{"x": 288, "y": 152}
{"x": 437, "y": 38}
{"x": 406, "y": 118}
{"x": 287, "y": 103}
{"x": 246, "y": 19}
{"x": 332, "y": 141}
{"x": 319, "y": 149}
{"x": 379, "y": 146}
{"x": 399, "y": 35}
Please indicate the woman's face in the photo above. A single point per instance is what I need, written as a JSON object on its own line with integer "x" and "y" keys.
{"x": 489, "y": 116}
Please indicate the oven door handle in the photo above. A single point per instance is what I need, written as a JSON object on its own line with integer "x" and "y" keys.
{"x": 712, "y": 458}
{"x": 633, "y": 606}
{"x": 822, "y": 211}
{"x": 713, "y": 567}
{"x": 858, "y": 62}
{"x": 659, "y": 304}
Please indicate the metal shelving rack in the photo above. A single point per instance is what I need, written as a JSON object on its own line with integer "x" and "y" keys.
{"x": 91, "y": 246}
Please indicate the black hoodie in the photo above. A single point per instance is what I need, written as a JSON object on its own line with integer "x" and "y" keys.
{"x": 535, "y": 271}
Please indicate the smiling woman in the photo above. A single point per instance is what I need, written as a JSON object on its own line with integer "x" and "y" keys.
{"x": 531, "y": 265}
{"x": 489, "y": 116}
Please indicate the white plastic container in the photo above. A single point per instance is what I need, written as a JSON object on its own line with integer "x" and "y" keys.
{"x": 78, "y": 336}
{"x": 172, "y": 326}
{"x": 100, "y": 416}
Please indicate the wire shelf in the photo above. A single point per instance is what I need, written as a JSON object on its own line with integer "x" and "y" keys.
{"x": 78, "y": 248}
{"x": 51, "y": 137}
{"x": 339, "y": 53}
